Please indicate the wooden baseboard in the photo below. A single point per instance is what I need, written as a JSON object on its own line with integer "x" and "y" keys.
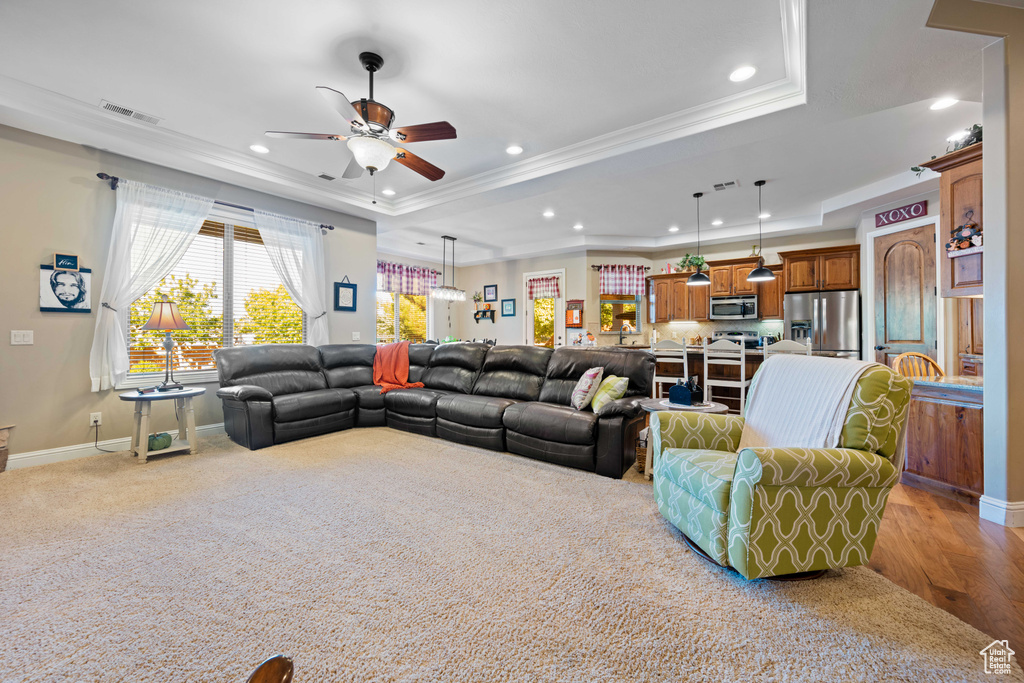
{"x": 941, "y": 488}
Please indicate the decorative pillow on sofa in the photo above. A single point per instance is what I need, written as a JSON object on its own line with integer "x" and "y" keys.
{"x": 585, "y": 389}
{"x": 612, "y": 389}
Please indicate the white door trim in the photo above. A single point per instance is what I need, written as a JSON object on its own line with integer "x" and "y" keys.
{"x": 559, "y": 306}
{"x": 869, "y": 287}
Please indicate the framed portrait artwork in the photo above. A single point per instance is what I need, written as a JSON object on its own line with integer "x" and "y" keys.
{"x": 65, "y": 291}
{"x": 508, "y": 308}
{"x": 344, "y": 296}
{"x": 490, "y": 292}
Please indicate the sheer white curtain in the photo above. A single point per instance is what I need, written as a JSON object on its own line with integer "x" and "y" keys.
{"x": 153, "y": 227}
{"x": 296, "y": 249}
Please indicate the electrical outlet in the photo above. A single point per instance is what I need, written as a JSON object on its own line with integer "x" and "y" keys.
{"x": 21, "y": 337}
{"x": 355, "y": 336}
{"x": 95, "y": 419}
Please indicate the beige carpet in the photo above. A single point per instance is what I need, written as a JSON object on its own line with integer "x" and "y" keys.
{"x": 374, "y": 555}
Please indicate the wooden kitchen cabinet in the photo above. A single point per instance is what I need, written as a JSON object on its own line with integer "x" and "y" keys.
{"x": 700, "y": 304}
{"x": 672, "y": 299}
{"x": 771, "y": 295}
{"x": 971, "y": 336}
{"x": 740, "y": 285}
{"x": 721, "y": 280}
{"x": 960, "y": 202}
{"x": 812, "y": 270}
{"x": 729, "y": 278}
{"x": 680, "y": 299}
{"x": 661, "y": 297}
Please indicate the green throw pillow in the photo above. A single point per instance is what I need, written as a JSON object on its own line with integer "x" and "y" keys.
{"x": 612, "y": 389}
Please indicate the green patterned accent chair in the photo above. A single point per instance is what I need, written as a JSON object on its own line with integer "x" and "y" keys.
{"x": 778, "y": 511}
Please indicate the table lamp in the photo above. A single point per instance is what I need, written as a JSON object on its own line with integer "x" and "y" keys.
{"x": 165, "y": 316}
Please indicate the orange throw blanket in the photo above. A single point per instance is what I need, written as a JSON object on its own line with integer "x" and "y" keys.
{"x": 391, "y": 367}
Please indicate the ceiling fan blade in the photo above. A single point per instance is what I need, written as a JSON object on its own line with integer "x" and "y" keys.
{"x": 353, "y": 170}
{"x": 424, "y": 132}
{"x": 303, "y": 136}
{"x": 415, "y": 163}
{"x": 342, "y": 105}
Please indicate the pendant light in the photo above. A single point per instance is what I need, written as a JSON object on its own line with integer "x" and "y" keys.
{"x": 698, "y": 279}
{"x": 760, "y": 274}
{"x": 448, "y": 292}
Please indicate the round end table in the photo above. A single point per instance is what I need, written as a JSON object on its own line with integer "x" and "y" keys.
{"x": 654, "y": 405}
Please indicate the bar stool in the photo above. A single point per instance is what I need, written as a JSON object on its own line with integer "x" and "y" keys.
{"x": 726, "y": 354}
{"x": 670, "y": 353}
{"x": 788, "y": 346}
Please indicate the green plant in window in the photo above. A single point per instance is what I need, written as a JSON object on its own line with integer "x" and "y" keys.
{"x": 544, "y": 322}
{"x": 412, "y": 318}
{"x": 194, "y": 347}
{"x": 271, "y": 317}
{"x": 607, "y": 317}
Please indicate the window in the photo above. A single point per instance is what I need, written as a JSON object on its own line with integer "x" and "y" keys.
{"x": 618, "y": 310}
{"x": 412, "y": 321}
{"x": 226, "y": 268}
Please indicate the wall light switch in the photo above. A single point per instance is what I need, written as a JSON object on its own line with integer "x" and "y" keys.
{"x": 21, "y": 337}
{"x": 355, "y": 336}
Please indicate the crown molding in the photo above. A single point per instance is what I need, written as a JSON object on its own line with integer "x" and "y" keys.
{"x": 49, "y": 113}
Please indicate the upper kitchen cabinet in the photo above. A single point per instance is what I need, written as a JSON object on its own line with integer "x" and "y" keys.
{"x": 771, "y": 294}
{"x": 672, "y": 300}
{"x": 729, "y": 278}
{"x": 813, "y": 270}
{"x": 961, "y": 203}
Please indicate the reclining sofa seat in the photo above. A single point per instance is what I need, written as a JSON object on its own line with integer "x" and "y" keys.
{"x": 551, "y": 429}
{"x": 498, "y": 397}
{"x": 509, "y": 375}
{"x": 277, "y": 393}
{"x": 443, "y": 370}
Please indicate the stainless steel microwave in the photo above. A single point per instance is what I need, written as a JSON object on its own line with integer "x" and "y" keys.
{"x": 734, "y": 307}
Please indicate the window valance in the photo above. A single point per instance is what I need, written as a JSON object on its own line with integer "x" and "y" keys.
{"x": 404, "y": 279}
{"x": 622, "y": 279}
{"x": 543, "y": 288}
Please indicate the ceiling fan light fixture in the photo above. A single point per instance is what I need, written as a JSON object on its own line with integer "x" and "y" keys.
{"x": 371, "y": 153}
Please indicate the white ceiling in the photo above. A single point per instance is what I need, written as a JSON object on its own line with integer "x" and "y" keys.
{"x": 623, "y": 114}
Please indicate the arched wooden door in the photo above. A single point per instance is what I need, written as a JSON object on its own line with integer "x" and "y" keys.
{"x": 905, "y": 294}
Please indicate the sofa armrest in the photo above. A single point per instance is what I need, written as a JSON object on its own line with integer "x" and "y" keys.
{"x": 685, "y": 429}
{"x": 245, "y": 392}
{"x": 815, "y": 468}
{"x": 626, "y": 407}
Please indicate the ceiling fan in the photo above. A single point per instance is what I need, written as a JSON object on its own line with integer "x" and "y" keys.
{"x": 371, "y": 136}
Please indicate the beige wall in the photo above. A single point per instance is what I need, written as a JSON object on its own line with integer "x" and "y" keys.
{"x": 52, "y": 201}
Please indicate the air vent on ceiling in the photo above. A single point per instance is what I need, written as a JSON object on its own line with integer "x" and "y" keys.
{"x": 325, "y": 176}
{"x": 128, "y": 112}
{"x": 727, "y": 185}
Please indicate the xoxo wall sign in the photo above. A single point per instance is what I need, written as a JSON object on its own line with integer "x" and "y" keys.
{"x": 904, "y": 213}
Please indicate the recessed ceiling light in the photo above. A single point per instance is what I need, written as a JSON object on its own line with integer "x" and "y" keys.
{"x": 957, "y": 137}
{"x": 943, "y": 103}
{"x": 717, "y": 221}
{"x": 578, "y": 226}
{"x": 514, "y": 149}
{"x": 742, "y": 74}
{"x": 549, "y": 214}
{"x": 259, "y": 149}
{"x": 389, "y": 192}
{"x": 674, "y": 228}
{"x": 765, "y": 215}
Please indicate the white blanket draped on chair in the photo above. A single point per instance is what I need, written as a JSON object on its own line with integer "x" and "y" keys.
{"x": 800, "y": 401}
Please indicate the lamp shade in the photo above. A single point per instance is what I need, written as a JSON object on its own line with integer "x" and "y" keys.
{"x": 760, "y": 274}
{"x": 371, "y": 153}
{"x": 698, "y": 279}
{"x": 165, "y": 316}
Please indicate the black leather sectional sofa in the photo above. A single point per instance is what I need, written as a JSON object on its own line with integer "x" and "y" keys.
{"x": 514, "y": 398}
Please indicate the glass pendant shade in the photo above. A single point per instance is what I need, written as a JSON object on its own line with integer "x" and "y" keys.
{"x": 371, "y": 153}
{"x": 446, "y": 292}
{"x": 698, "y": 279}
{"x": 760, "y": 274}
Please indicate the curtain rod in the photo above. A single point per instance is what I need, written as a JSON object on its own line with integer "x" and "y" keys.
{"x": 605, "y": 265}
{"x": 114, "y": 180}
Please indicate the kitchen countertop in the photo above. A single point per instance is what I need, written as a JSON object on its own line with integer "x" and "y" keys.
{"x": 954, "y": 382}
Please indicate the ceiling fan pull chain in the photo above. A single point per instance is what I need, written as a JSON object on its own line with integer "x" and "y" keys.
{"x": 374, "y": 176}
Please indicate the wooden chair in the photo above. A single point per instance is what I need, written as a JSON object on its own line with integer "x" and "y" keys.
{"x": 788, "y": 346}
{"x": 726, "y": 353}
{"x": 668, "y": 352}
{"x": 913, "y": 364}
{"x": 277, "y": 669}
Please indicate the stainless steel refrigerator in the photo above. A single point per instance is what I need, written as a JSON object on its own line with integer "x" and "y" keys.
{"x": 831, "y": 320}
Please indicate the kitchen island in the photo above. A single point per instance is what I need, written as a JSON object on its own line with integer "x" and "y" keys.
{"x": 945, "y": 433}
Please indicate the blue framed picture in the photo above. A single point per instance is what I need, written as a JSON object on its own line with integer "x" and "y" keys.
{"x": 490, "y": 292}
{"x": 344, "y": 296}
{"x": 508, "y": 308}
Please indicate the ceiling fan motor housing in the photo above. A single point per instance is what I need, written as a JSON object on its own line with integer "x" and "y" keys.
{"x": 377, "y": 116}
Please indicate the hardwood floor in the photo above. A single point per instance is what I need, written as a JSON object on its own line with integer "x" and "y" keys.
{"x": 941, "y": 550}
